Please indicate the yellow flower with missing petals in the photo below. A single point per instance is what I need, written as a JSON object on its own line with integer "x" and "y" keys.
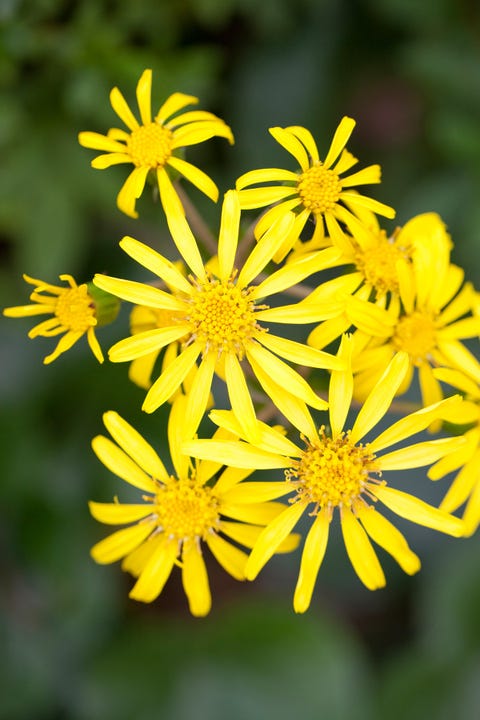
{"x": 76, "y": 309}
{"x": 337, "y": 470}
{"x": 180, "y": 514}
{"x": 153, "y": 145}
{"x": 219, "y": 320}
{"x": 318, "y": 190}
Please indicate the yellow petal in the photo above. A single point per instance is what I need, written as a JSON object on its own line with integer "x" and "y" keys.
{"x": 171, "y": 378}
{"x": 257, "y": 513}
{"x": 355, "y": 199}
{"x": 196, "y": 176}
{"x": 292, "y": 144}
{"x": 96, "y": 141}
{"x": 156, "y": 263}
{"x": 118, "y": 514}
{"x": 135, "y": 445}
{"x": 417, "y": 511}
{"x": 240, "y": 399}
{"x": 228, "y": 235}
{"x": 380, "y": 398}
{"x": 146, "y": 342}
{"x": 120, "y": 543}
{"x": 340, "y": 139}
{"x": 173, "y": 104}
{"x": 144, "y": 96}
{"x": 420, "y": 454}
{"x": 463, "y": 485}
{"x": 312, "y": 556}
{"x": 195, "y": 580}
{"x": 119, "y": 463}
{"x": 181, "y": 462}
{"x": 361, "y": 553}
{"x": 299, "y": 353}
{"x": 341, "y": 388}
{"x": 155, "y": 573}
{"x": 306, "y": 138}
{"x": 131, "y": 190}
{"x": 272, "y": 536}
{"x": 270, "y": 439}
{"x": 237, "y": 454}
{"x": 135, "y": 561}
{"x": 119, "y": 104}
{"x": 248, "y": 535}
{"x": 265, "y": 175}
{"x": 231, "y": 558}
{"x": 265, "y": 249}
{"x": 138, "y": 293}
{"x": 388, "y": 537}
{"x": 198, "y": 396}
{"x": 102, "y": 162}
{"x": 252, "y": 492}
{"x": 366, "y": 176}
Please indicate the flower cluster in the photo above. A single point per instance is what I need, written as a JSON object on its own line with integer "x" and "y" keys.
{"x": 214, "y": 326}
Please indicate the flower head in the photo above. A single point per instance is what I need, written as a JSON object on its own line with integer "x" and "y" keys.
{"x": 153, "y": 145}
{"x": 179, "y": 514}
{"x": 76, "y": 309}
{"x": 218, "y": 318}
{"x": 319, "y": 190}
{"x": 336, "y": 470}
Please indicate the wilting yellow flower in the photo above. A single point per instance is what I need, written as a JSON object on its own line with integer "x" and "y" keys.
{"x": 435, "y": 317}
{"x": 379, "y": 265}
{"x": 465, "y": 487}
{"x": 317, "y": 190}
{"x": 217, "y": 317}
{"x": 336, "y": 470}
{"x": 76, "y": 309}
{"x": 178, "y": 513}
{"x": 155, "y": 145}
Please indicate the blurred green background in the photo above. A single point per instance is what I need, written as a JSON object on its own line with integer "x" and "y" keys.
{"x": 73, "y": 645}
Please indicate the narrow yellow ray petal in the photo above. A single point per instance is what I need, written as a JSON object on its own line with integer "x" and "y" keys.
{"x": 119, "y": 104}
{"x": 181, "y": 462}
{"x": 229, "y": 477}
{"x": 283, "y": 375}
{"x": 460, "y": 357}
{"x": 198, "y": 132}
{"x": 340, "y": 139}
{"x": 420, "y": 454}
{"x": 228, "y": 234}
{"x": 260, "y": 197}
{"x": 198, "y": 396}
{"x": 195, "y": 580}
{"x": 418, "y": 511}
{"x": 390, "y": 538}
{"x": 272, "y": 536}
{"x": 156, "y": 263}
{"x": 156, "y": 572}
{"x": 138, "y": 293}
{"x": 135, "y": 445}
{"x": 355, "y": 199}
{"x": 28, "y": 310}
{"x": 96, "y": 141}
{"x": 102, "y": 162}
{"x": 361, "y": 553}
{"x": 120, "y": 543}
{"x": 173, "y": 104}
{"x": 144, "y": 96}
{"x": 119, "y": 463}
{"x": 306, "y": 138}
{"x": 117, "y": 513}
{"x": 341, "y": 388}
{"x": 302, "y": 313}
{"x": 270, "y": 439}
{"x": 299, "y": 353}
{"x": 366, "y": 176}
{"x": 135, "y": 561}
{"x": 231, "y": 558}
{"x": 380, "y": 398}
{"x": 146, "y": 342}
{"x": 131, "y": 190}
{"x": 265, "y": 249}
{"x": 240, "y": 399}
{"x": 247, "y": 535}
{"x": 471, "y": 517}
{"x": 312, "y": 556}
{"x": 94, "y": 345}
{"x": 196, "y": 176}
{"x": 265, "y": 175}
{"x": 272, "y": 214}
{"x": 328, "y": 331}
{"x": 171, "y": 378}
{"x": 252, "y": 492}
{"x": 64, "y": 344}
{"x": 463, "y": 485}
{"x": 237, "y": 454}
{"x": 292, "y": 144}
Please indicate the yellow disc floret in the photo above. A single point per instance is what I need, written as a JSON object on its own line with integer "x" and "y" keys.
{"x": 319, "y": 189}
{"x": 378, "y": 263}
{"x": 150, "y": 145}
{"x": 75, "y": 309}
{"x": 222, "y": 316}
{"x": 332, "y": 472}
{"x": 416, "y": 335}
{"x": 186, "y": 509}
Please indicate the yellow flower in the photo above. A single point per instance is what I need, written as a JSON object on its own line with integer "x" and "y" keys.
{"x": 178, "y": 514}
{"x": 77, "y": 310}
{"x": 218, "y": 318}
{"x": 336, "y": 469}
{"x": 318, "y": 190}
{"x": 153, "y": 145}
{"x": 435, "y": 317}
{"x": 379, "y": 264}
{"x": 465, "y": 487}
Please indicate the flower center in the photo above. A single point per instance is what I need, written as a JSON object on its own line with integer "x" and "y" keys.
{"x": 332, "y": 472}
{"x": 222, "y": 316}
{"x": 150, "y": 145}
{"x": 186, "y": 510}
{"x": 75, "y": 309}
{"x": 378, "y": 263}
{"x": 319, "y": 189}
{"x": 416, "y": 335}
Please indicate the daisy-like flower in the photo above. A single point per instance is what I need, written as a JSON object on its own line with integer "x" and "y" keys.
{"x": 465, "y": 488}
{"x": 319, "y": 190}
{"x": 178, "y": 514}
{"x": 218, "y": 319}
{"x": 336, "y": 469}
{"x": 76, "y": 311}
{"x": 153, "y": 145}
{"x": 379, "y": 264}
{"x": 435, "y": 317}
